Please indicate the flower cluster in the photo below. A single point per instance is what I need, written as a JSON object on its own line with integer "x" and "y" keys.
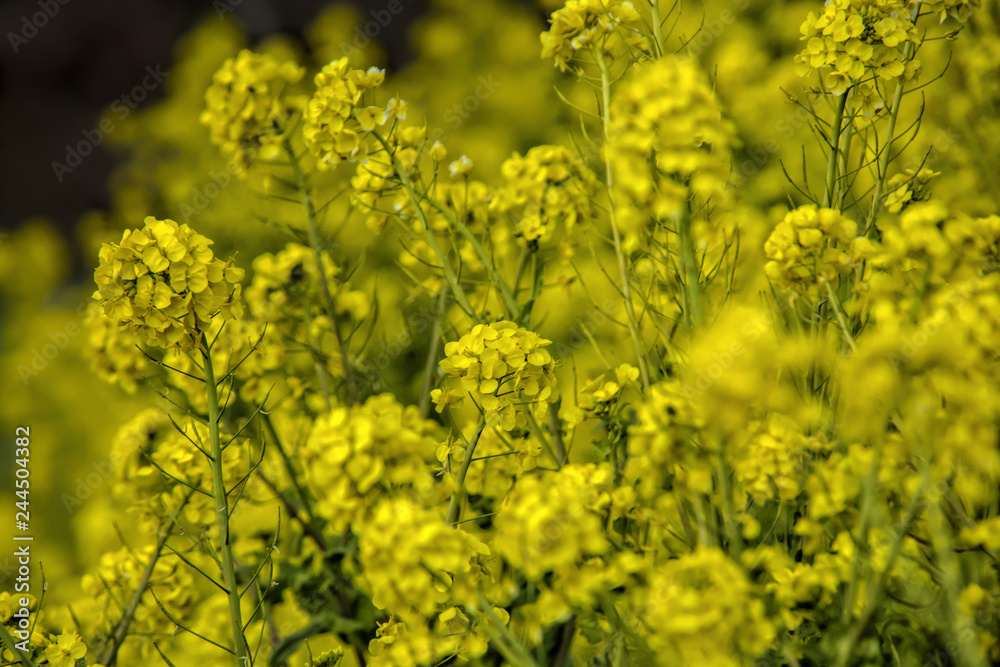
{"x": 114, "y": 583}
{"x": 545, "y": 186}
{"x": 374, "y": 178}
{"x": 612, "y": 26}
{"x": 808, "y": 248}
{"x": 929, "y": 246}
{"x": 414, "y": 564}
{"x": 908, "y": 188}
{"x": 656, "y": 445}
{"x": 244, "y": 109}
{"x": 155, "y": 466}
{"x": 858, "y": 40}
{"x": 600, "y": 395}
{"x": 552, "y": 521}
{"x": 112, "y": 351}
{"x": 356, "y": 456}
{"x": 165, "y": 285}
{"x": 504, "y": 368}
{"x": 771, "y": 466}
{"x": 335, "y": 123}
{"x": 701, "y": 610}
{"x": 667, "y": 142}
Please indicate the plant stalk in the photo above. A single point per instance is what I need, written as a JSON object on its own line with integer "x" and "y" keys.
{"x": 240, "y": 649}
{"x": 633, "y": 325}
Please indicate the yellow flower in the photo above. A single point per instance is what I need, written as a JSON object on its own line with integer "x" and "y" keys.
{"x": 771, "y": 466}
{"x": 244, "y": 111}
{"x": 908, "y": 187}
{"x": 808, "y": 248}
{"x": 546, "y": 186}
{"x": 460, "y": 168}
{"x": 414, "y": 563}
{"x": 701, "y": 610}
{"x": 613, "y": 26}
{"x": 601, "y": 394}
{"x": 504, "y": 368}
{"x": 65, "y": 650}
{"x": 164, "y": 284}
{"x": 356, "y": 456}
{"x": 335, "y": 121}
{"x": 668, "y": 141}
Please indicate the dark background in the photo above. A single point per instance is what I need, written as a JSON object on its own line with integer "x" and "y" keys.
{"x": 88, "y": 54}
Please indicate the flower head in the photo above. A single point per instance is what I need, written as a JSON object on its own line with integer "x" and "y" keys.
{"x": 851, "y": 38}
{"x": 65, "y": 650}
{"x": 545, "y": 186}
{"x": 613, "y": 26}
{"x": 335, "y": 121}
{"x": 809, "y": 247}
{"x": 356, "y": 456}
{"x": 496, "y": 363}
{"x": 165, "y": 285}
{"x": 244, "y": 110}
{"x": 668, "y": 141}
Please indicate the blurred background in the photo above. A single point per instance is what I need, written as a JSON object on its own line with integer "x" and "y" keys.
{"x": 57, "y": 80}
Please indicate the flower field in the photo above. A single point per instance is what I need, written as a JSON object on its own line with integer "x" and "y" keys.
{"x": 595, "y": 334}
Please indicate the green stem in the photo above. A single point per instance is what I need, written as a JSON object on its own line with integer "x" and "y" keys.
{"x": 844, "y": 167}
{"x": 463, "y": 470}
{"x": 657, "y": 27}
{"x": 692, "y": 276}
{"x": 506, "y": 643}
{"x": 861, "y": 548}
{"x": 240, "y": 649}
{"x": 729, "y": 515}
{"x": 449, "y": 273}
{"x": 886, "y": 155}
{"x": 850, "y": 641}
{"x": 838, "y": 310}
{"x": 425, "y": 391}
{"x": 555, "y": 428}
{"x": 12, "y": 645}
{"x": 633, "y": 325}
{"x": 314, "y": 241}
{"x": 110, "y": 656}
{"x": 832, "y": 160}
